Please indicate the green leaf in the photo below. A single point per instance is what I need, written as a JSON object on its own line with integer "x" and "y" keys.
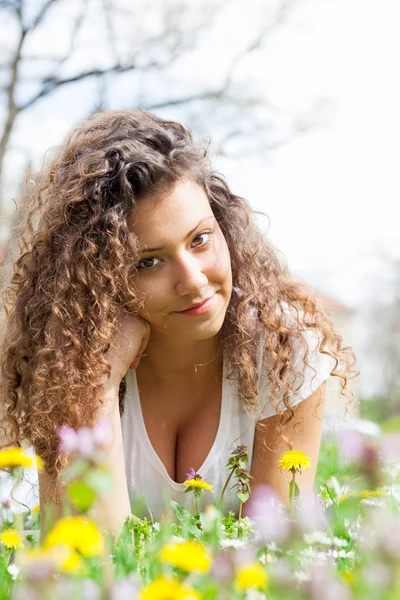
{"x": 243, "y": 497}
{"x": 75, "y": 469}
{"x": 296, "y": 490}
{"x": 99, "y": 480}
{"x": 291, "y": 484}
{"x": 180, "y": 511}
{"x": 81, "y": 495}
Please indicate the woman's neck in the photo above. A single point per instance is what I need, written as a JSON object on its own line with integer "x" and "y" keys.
{"x": 168, "y": 360}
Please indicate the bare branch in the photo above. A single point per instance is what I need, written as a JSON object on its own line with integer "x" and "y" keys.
{"x": 50, "y": 84}
{"x": 260, "y": 38}
{"x": 42, "y": 13}
{"x": 111, "y": 35}
{"x": 76, "y": 28}
{"x": 11, "y": 5}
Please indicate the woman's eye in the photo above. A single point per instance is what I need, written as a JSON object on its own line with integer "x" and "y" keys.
{"x": 204, "y": 238}
{"x": 147, "y": 263}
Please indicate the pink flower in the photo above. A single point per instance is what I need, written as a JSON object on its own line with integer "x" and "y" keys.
{"x": 191, "y": 473}
{"x": 266, "y": 509}
{"x": 222, "y": 566}
{"x": 69, "y": 439}
{"x": 351, "y": 444}
{"x": 311, "y": 515}
{"x": 390, "y": 446}
{"x": 125, "y": 588}
{"x": 85, "y": 442}
{"x": 102, "y": 434}
{"x": 323, "y": 583}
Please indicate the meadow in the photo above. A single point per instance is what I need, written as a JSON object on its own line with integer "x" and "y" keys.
{"x": 341, "y": 542}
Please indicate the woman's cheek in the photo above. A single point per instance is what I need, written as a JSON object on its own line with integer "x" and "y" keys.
{"x": 155, "y": 298}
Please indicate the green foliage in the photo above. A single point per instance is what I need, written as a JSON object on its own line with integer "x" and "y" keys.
{"x": 81, "y": 495}
{"x": 330, "y": 464}
{"x": 391, "y": 425}
{"x": 346, "y": 494}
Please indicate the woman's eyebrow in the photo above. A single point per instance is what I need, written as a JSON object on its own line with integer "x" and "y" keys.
{"x": 144, "y": 250}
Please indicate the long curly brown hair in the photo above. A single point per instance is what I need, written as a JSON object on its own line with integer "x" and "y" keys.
{"x": 72, "y": 278}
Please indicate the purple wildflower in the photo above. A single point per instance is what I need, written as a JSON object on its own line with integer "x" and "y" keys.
{"x": 266, "y": 509}
{"x": 191, "y": 473}
{"x": 351, "y": 444}
{"x": 102, "y": 434}
{"x": 125, "y": 588}
{"x": 85, "y": 442}
{"x": 69, "y": 439}
{"x": 311, "y": 515}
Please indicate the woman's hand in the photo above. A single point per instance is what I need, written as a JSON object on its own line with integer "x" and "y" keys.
{"x": 133, "y": 334}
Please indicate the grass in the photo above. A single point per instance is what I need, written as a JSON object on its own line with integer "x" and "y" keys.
{"x": 330, "y": 463}
{"x": 390, "y": 425}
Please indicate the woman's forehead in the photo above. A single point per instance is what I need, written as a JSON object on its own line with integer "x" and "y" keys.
{"x": 174, "y": 213}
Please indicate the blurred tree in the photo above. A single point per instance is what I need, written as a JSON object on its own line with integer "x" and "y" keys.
{"x": 49, "y": 45}
{"x": 384, "y": 338}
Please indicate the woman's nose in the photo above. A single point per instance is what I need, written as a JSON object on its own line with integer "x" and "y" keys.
{"x": 190, "y": 277}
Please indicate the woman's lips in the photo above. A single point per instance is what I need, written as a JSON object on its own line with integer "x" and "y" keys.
{"x": 198, "y": 310}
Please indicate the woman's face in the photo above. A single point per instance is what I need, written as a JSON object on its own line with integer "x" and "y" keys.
{"x": 184, "y": 261}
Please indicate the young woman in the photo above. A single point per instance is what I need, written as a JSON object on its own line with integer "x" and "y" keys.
{"x": 145, "y": 293}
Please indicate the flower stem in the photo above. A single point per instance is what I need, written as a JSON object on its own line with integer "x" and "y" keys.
{"x": 225, "y": 486}
{"x": 240, "y": 519}
{"x": 292, "y": 493}
{"x": 196, "y": 505}
{"x": 8, "y": 556}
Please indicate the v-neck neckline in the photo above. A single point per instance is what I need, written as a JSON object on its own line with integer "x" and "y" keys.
{"x": 215, "y": 448}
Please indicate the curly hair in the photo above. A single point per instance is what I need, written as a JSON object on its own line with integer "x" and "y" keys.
{"x": 75, "y": 265}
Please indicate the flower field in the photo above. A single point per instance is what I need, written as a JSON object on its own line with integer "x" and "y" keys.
{"x": 342, "y": 542}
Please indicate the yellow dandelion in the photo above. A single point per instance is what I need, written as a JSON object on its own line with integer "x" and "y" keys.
{"x": 39, "y": 463}
{"x": 343, "y": 497}
{"x": 33, "y": 556}
{"x": 349, "y": 577}
{"x": 78, "y": 533}
{"x": 164, "y": 589}
{"x": 251, "y": 575}
{"x": 17, "y": 457}
{"x": 363, "y": 495}
{"x": 188, "y": 556}
{"x": 71, "y": 562}
{"x": 372, "y": 493}
{"x": 294, "y": 459}
{"x": 61, "y": 558}
{"x": 35, "y": 510}
{"x": 198, "y": 483}
{"x": 11, "y": 539}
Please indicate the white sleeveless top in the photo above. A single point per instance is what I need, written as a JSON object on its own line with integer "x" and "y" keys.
{"x": 146, "y": 475}
{"x": 149, "y": 485}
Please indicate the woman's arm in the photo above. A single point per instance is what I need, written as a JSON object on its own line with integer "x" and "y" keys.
{"x": 304, "y": 432}
{"x": 109, "y": 512}
{"x": 112, "y": 511}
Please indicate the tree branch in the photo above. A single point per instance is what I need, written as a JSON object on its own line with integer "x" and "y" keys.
{"x": 50, "y": 84}
{"x": 9, "y": 5}
{"x": 42, "y": 13}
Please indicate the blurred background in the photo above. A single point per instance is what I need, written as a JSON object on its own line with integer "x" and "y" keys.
{"x": 298, "y": 104}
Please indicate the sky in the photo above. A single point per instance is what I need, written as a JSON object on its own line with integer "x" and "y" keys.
{"x": 332, "y": 193}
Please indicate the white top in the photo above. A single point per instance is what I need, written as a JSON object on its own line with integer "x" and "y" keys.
{"x": 149, "y": 485}
{"x": 146, "y": 474}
